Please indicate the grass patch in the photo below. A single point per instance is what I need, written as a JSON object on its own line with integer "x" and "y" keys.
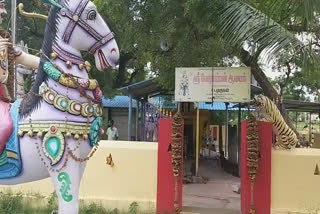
{"x": 16, "y": 203}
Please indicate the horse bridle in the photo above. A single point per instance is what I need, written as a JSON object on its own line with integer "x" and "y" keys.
{"x": 75, "y": 19}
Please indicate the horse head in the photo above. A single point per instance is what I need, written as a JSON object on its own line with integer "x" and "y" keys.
{"x": 82, "y": 28}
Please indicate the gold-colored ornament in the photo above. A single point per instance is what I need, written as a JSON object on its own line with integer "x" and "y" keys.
{"x": 93, "y": 84}
{"x": 30, "y": 133}
{"x": 20, "y": 133}
{"x": 53, "y": 55}
{"x": 81, "y": 66}
{"x": 85, "y": 137}
{"x": 68, "y": 134}
{"x": 109, "y": 160}
{"x": 67, "y": 128}
{"x": 76, "y": 136}
{"x": 69, "y": 64}
{"x": 40, "y": 134}
{"x": 88, "y": 66}
{"x": 69, "y": 82}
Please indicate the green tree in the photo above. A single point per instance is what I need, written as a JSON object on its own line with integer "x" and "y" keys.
{"x": 270, "y": 30}
{"x": 30, "y": 30}
{"x": 285, "y": 31}
{"x": 156, "y": 36}
{"x": 291, "y": 87}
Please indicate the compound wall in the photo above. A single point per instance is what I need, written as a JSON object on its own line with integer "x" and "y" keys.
{"x": 295, "y": 181}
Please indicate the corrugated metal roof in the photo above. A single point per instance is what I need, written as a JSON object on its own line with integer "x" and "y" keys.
{"x": 123, "y": 102}
{"x": 218, "y": 106}
{"x": 214, "y": 106}
{"x": 118, "y": 102}
{"x": 143, "y": 89}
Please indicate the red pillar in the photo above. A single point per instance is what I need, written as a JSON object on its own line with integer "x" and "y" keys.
{"x": 262, "y": 188}
{"x": 166, "y": 180}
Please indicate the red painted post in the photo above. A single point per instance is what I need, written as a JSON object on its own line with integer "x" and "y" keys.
{"x": 262, "y": 187}
{"x": 166, "y": 180}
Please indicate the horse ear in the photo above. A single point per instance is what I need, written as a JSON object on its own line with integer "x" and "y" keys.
{"x": 52, "y": 3}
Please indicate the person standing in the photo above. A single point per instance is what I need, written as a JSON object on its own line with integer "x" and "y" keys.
{"x": 112, "y": 132}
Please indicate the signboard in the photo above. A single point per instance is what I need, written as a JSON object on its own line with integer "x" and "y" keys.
{"x": 223, "y": 84}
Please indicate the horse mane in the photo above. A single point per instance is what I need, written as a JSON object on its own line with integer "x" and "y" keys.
{"x": 32, "y": 101}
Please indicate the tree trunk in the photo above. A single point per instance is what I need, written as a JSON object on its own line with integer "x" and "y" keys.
{"x": 267, "y": 87}
{"x": 121, "y": 75}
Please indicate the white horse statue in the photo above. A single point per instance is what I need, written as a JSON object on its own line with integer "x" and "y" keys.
{"x": 55, "y": 128}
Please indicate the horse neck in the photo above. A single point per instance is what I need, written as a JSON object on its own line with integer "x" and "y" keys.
{"x": 73, "y": 70}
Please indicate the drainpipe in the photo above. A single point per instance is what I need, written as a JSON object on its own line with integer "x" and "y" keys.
{"x": 239, "y": 139}
{"x": 130, "y": 118}
{"x": 137, "y": 119}
{"x": 227, "y": 130}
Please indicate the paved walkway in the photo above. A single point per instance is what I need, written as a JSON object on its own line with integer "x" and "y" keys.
{"x": 196, "y": 210}
{"x": 216, "y": 196}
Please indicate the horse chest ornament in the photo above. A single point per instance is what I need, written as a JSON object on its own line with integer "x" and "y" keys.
{"x": 56, "y": 127}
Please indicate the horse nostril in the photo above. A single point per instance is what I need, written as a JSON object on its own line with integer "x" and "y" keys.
{"x": 113, "y": 50}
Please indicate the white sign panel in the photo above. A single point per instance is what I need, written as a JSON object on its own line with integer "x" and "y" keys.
{"x": 223, "y": 84}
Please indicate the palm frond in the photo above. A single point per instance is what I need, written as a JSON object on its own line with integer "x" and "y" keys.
{"x": 304, "y": 12}
{"x": 240, "y": 23}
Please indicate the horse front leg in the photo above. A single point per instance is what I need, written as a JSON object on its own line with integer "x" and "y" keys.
{"x": 67, "y": 183}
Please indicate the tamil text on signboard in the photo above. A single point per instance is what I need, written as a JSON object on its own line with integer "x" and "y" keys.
{"x": 223, "y": 84}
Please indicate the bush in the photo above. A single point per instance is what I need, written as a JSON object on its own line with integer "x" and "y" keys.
{"x": 11, "y": 203}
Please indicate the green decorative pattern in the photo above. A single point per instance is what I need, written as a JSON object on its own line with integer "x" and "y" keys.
{"x": 64, "y": 178}
{"x": 51, "y": 71}
{"x": 95, "y": 131}
{"x": 3, "y": 158}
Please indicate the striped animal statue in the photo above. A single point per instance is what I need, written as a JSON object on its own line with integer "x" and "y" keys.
{"x": 286, "y": 137}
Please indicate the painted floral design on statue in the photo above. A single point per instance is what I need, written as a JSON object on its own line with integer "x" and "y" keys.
{"x": 95, "y": 131}
{"x": 83, "y": 83}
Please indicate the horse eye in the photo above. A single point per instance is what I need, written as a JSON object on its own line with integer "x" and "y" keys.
{"x": 92, "y": 15}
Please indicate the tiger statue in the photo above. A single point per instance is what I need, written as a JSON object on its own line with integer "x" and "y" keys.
{"x": 286, "y": 138}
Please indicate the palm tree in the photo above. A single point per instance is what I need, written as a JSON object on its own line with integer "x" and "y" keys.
{"x": 273, "y": 29}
